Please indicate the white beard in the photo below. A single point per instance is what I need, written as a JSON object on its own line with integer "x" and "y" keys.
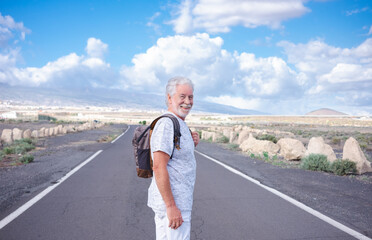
{"x": 178, "y": 110}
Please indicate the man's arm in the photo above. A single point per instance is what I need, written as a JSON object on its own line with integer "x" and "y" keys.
{"x": 162, "y": 181}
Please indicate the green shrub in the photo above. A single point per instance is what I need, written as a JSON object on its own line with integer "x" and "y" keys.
{"x": 24, "y": 141}
{"x": 343, "y": 167}
{"x": 268, "y": 137}
{"x": 9, "y": 150}
{"x": 19, "y": 147}
{"x": 223, "y": 139}
{"x": 23, "y": 147}
{"x": 46, "y": 118}
{"x": 315, "y": 162}
{"x": 363, "y": 145}
{"x": 27, "y": 158}
{"x": 233, "y": 146}
{"x": 266, "y": 156}
{"x": 336, "y": 140}
{"x": 142, "y": 122}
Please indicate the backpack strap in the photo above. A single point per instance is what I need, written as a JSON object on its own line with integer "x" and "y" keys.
{"x": 176, "y": 130}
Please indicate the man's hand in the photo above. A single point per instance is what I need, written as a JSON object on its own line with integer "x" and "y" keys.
{"x": 195, "y": 138}
{"x": 174, "y": 217}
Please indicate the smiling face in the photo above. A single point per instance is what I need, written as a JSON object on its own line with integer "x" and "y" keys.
{"x": 181, "y": 102}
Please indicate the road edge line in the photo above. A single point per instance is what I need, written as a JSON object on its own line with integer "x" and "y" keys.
{"x": 315, "y": 213}
{"x": 121, "y": 135}
{"x": 42, "y": 194}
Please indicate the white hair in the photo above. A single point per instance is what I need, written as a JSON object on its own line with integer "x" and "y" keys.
{"x": 172, "y": 85}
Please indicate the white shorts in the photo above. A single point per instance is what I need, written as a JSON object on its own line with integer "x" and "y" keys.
{"x": 163, "y": 232}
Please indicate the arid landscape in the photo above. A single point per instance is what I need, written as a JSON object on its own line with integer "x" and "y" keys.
{"x": 334, "y": 129}
{"x": 81, "y": 131}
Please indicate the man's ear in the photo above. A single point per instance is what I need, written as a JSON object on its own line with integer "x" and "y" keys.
{"x": 169, "y": 99}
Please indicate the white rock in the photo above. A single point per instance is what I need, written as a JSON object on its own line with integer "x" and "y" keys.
{"x": 56, "y": 130}
{"x": 64, "y": 130}
{"x": 233, "y": 138}
{"x": 35, "y": 134}
{"x": 7, "y": 136}
{"x": 353, "y": 152}
{"x": 291, "y": 149}
{"x": 226, "y": 132}
{"x": 27, "y": 133}
{"x": 259, "y": 146}
{"x": 318, "y": 146}
{"x": 207, "y": 135}
{"x": 17, "y": 134}
{"x": 243, "y": 135}
{"x": 42, "y": 132}
{"x": 60, "y": 127}
{"x": 46, "y": 132}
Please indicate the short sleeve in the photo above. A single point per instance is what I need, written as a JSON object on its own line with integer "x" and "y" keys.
{"x": 162, "y": 136}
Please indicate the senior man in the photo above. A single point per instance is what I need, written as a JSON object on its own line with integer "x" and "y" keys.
{"x": 171, "y": 191}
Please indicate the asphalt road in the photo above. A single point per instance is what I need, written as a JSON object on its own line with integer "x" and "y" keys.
{"x": 106, "y": 200}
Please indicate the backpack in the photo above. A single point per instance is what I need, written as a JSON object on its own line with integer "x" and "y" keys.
{"x": 142, "y": 149}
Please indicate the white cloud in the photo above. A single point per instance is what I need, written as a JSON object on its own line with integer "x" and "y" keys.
{"x": 356, "y": 11}
{"x": 323, "y": 74}
{"x": 8, "y": 27}
{"x": 239, "y": 80}
{"x": 67, "y": 71}
{"x": 334, "y": 70}
{"x": 344, "y": 73}
{"x": 318, "y": 58}
{"x": 198, "y": 57}
{"x": 183, "y": 24}
{"x": 151, "y": 23}
{"x": 219, "y": 16}
{"x": 370, "y": 31}
{"x": 238, "y": 102}
{"x": 96, "y": 48}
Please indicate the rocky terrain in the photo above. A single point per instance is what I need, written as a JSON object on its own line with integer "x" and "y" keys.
{"x": 286, "y": 144}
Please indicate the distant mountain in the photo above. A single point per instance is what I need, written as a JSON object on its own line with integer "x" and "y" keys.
{"x": 325, "y": 111}
{"x": 102, "y": 97}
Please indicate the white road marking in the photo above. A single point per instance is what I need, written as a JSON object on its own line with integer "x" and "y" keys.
{"x": 121, "y": 135}
{"x": 38, "y": 197}
{"x": 293, "y": 201}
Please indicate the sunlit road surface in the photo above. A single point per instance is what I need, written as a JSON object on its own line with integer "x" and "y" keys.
{"x": 105, "y": 199}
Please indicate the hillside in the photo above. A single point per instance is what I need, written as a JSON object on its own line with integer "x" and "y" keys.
{"x": 101, "y": 97}
{"x": 325, "y": 112}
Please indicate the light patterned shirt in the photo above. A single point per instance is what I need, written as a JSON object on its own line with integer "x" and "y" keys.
{"x": 181, "y": 167}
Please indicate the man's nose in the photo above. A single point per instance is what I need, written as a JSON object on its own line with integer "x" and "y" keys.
{"x": 187, "y": 101}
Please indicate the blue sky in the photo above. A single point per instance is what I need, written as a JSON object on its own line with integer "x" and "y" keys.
{"x": 282, "y": 57}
